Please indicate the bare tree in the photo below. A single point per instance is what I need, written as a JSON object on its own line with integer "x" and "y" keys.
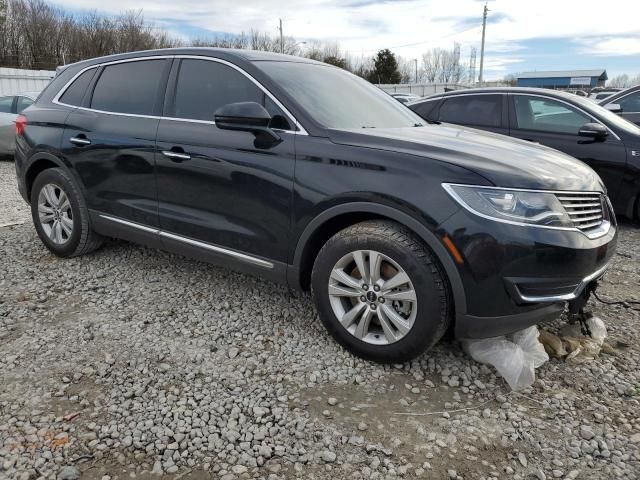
{"x": 431, "y": 64}
{"x": 622, "y": 81}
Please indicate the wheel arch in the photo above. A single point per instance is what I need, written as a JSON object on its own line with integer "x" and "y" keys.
{"x": 36, "y": 165}
{"x": 338, "y": 217}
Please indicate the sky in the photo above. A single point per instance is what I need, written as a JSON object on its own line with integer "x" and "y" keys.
{"x": 521, "y": 35}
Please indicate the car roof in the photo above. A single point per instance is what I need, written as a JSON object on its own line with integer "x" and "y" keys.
{"x": 229, "y": 53}
{"x": 497, "y": 90}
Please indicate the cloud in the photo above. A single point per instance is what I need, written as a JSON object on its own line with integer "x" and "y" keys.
{"x": 408, "y": 27}
{"x": 607, "y": 46}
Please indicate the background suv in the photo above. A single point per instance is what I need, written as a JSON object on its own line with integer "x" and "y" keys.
{"x": 571, "y": 124}
{"x": 305, "y": 174}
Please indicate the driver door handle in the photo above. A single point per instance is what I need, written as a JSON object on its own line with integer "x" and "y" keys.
{"x": 80, "y": 140}
{"x": 176, "y": 156}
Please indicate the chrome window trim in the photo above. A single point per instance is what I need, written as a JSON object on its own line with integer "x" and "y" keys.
{"x": 566, "y": 103}
{"x": 444, "y": 97}
{"x": 601, "y": 231}
{"x": 566, "y": 296}
{"x": 56, "y": 100}
{"x": 197, "y": 243}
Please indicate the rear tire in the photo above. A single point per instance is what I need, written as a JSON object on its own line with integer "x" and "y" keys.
{"x": 390, "y": 316}
{"x": 60, "y": 214}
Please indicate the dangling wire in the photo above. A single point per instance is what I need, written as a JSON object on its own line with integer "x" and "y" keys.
{"x": 624, "y": 303}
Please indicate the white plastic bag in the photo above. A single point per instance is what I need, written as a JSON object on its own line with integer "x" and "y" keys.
{"x": 515, "y": 358}
{"x": 596, "y": 326}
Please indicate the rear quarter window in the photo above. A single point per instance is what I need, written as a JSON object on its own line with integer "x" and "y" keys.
{"x": 74, "y": 94}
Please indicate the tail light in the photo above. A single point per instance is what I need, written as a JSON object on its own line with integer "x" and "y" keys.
{"x": 21, "y": 124}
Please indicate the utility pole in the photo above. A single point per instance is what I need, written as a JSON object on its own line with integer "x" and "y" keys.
{"x": 282, "y": 38}
{"x": 416, "y": 60}
{"x": 484, "y": 26}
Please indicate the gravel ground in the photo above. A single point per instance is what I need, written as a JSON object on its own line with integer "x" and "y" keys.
{"x": 135, "y": 363}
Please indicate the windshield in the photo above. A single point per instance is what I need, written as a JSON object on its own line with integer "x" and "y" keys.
{"x": 338, "y": 99}
{"x": 607, "y": 115}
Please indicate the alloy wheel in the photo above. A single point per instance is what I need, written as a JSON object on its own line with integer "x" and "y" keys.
{"x": 54, "y": 213}
{"x": 372, "y": 297}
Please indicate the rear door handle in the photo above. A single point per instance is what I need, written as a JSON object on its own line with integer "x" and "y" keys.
{"x": 176, "y": 156}
{"x": 80, "y": 141}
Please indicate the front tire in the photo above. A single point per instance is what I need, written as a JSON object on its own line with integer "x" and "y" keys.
{"x": 60, "y": 214}
{"x": 397, "y": 309}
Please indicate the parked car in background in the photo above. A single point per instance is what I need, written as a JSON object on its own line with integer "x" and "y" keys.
{"x": 625, "y": 103}
{"x": 597, "y": 97}
{"x": 566, "y": 122}
{"x": 600, "y": 93}
{"x": 405, "y": 97}
{"x": 304, "y": 173}
{"x": 10, "y": 107}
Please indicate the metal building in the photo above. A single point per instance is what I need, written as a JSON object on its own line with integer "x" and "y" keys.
{"x": 18, "y": 80}
{"x": 563, "y": 79}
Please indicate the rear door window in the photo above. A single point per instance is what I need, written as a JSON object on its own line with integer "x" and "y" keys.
{"x": 478, "y": 110}
{"x": 129, "y": 87}
{"x": 425, "y": 109}
{"x": 74, "y": 94}
{"x": 5, "y": 104}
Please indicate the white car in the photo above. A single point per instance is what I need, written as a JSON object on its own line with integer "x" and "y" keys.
{"x": 597, "y": 95}
{"x": 10, "y": 107}
{"x": 405, "y": 97}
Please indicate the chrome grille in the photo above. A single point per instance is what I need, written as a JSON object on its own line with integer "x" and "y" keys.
{"x": 586, "y": 210}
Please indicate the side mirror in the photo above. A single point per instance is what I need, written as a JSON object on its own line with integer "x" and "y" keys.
{"x": 593, "y": 130}
{"x": 613, "y": 107}
{"x": 245, "y": 117}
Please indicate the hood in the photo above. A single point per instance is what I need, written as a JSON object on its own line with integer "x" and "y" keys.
{"x": 503, "y": 161}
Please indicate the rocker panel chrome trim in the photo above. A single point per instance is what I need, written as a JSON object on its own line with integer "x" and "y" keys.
{"x": 196, "y": 243}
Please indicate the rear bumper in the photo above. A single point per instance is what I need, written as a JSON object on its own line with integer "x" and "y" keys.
{"x": 515, "y": 276}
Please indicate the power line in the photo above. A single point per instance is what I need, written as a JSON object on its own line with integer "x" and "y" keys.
{"x": 425, "y": 41}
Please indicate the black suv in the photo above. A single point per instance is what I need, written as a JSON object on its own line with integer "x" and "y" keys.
{"x": 574, "y": 125}
{"x": 303, "y": 173}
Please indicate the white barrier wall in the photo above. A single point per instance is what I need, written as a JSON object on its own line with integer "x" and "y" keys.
{"x": 17, "y": 80}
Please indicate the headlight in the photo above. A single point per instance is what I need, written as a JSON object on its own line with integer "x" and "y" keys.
{"x": 512, "y": 206}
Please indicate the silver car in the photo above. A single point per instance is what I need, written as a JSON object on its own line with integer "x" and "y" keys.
{"x": 10, "y": 107}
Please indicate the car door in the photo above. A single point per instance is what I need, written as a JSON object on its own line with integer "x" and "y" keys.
{"x": 7, "y": 124}
{"x": 485, "y": 111}
{"x": 221, "y": 192}
{"x": 555, "y": 123}
{"x": 110, "y": 139}
{"x": 630, "y": 105}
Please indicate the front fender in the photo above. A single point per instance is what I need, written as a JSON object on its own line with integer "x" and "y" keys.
{"x": 428, "y": 235}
